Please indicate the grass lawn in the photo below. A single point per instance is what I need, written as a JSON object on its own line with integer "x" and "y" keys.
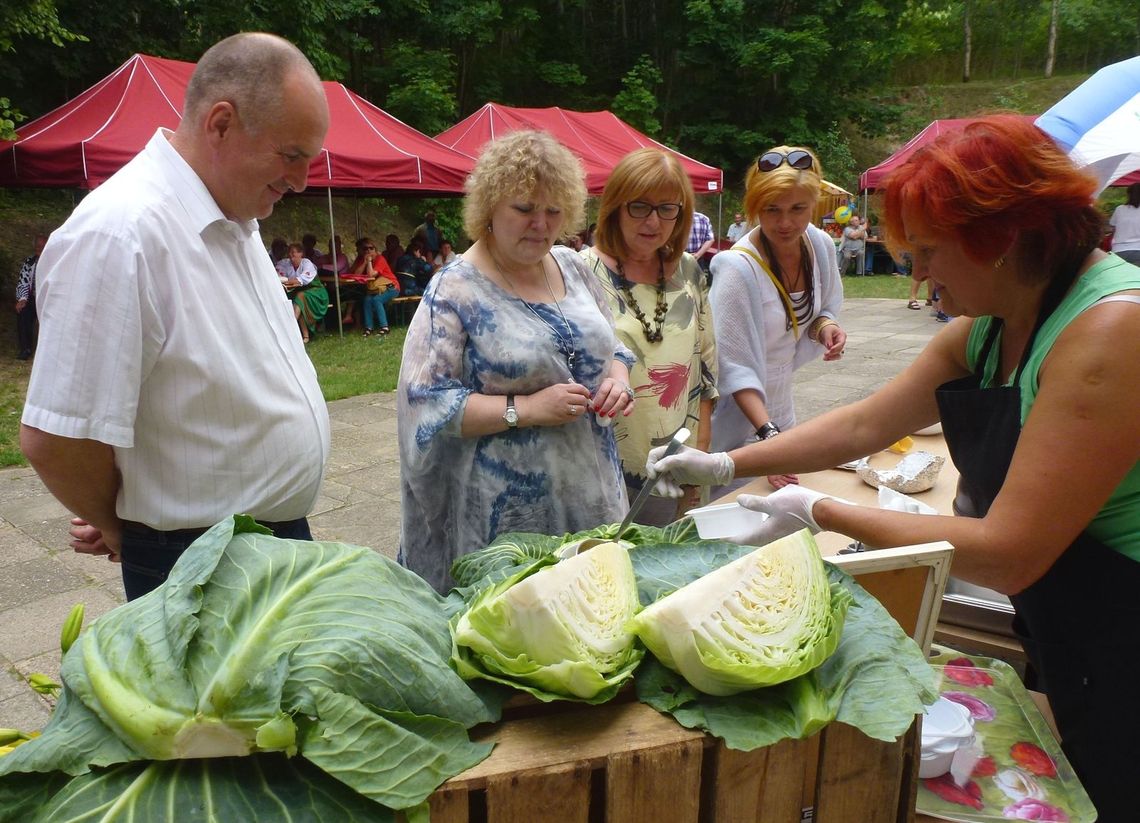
{"x": 346, "y": 367}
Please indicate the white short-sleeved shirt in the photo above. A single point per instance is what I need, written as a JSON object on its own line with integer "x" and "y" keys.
{"x": 1126, "y": 228}
{"x": 177, "y": 346}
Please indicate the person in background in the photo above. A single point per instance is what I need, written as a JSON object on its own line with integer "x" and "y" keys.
{"x": 335, "y": 260}
{"x": 701, "y": 240}
{"x": 306, "y": 291}
{"x": 446, "y": 255}
{"x": 382, "y": 286}
{"x": 279, "y": 250}
{"x": 1125, "y": 223}
{"x": 26, "y": 301}
{"x": 738, "y": 228}
{"x": 1036, "y": 386}
{"x": 413, "y": 269}
{"x": 429, "y": 236}
{"x": 509, "y": 369}
{"x": 588, "y": 237}
{"x": 775, "y": 297}
{"x": 661, "y": 313}
{"x": 393, "y": 250}
{"x": 312, "y": 253}
{"x": 853, "y": 247}
{"x": 157, "y": 408}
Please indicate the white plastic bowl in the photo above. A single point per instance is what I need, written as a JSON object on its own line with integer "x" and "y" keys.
{"x": 946, "y": 728}
{"x": 725, "y": 520}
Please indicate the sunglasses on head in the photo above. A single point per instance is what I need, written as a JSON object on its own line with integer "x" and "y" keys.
{"x": 772, "y": 160}
{"x": 639, "y": 210}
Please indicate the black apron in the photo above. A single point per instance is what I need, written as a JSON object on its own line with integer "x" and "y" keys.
{"x": 1080, "y": 622}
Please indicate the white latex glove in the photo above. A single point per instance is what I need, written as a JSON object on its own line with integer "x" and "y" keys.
{"x": 688, "y": 467}
{"x": 789, "y": 509}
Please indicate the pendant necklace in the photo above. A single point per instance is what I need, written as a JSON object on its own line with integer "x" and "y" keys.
{"x": 659, "y": 312}
{"x": 565, "y": 344}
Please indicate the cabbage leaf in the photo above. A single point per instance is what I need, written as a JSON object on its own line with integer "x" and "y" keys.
{"x": 256, "y": 644}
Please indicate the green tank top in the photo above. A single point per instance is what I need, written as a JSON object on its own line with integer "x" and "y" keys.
{"x": 1117, "y": 524}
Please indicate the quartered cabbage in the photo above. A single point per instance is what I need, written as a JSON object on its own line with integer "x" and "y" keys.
{"x": 764, "y": 618}
{"x": 554, "y": 630}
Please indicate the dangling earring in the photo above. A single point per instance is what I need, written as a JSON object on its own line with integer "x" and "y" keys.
{"x": 999, "y": 262}
{"x": 490, "y": 228}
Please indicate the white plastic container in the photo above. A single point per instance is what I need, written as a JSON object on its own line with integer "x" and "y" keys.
{"x": 725, "y": 520}
{"x": 946, "y": 728}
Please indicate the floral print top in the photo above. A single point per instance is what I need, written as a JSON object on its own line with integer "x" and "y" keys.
{"x": 458, "y": 493}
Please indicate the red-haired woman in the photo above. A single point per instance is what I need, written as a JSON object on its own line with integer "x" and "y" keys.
{"x": 1037, "y": 386}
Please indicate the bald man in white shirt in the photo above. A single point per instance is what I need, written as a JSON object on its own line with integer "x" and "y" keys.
{"x": 156, "y": 409}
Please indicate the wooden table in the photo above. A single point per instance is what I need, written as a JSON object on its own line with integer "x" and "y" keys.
{"x": 850, "y": 486}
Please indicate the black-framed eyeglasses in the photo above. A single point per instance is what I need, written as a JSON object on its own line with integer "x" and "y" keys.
{"x": 772, "y": 160}
{"x": 639, "y": 210}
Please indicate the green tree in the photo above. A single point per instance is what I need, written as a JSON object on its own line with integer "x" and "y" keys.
{"x": 25, "y": 25}
{"x": 636, "y": 103}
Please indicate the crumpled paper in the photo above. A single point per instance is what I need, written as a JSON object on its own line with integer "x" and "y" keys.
{"x": 916, "y": 472}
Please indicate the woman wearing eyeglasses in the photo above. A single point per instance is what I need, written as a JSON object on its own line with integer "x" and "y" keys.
{"x": 660, "y": 312}
{"x": 380, "y": 288}
{"x": 775, "y": 298}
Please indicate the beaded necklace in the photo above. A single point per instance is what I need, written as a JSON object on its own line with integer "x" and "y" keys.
{"x": 659, "y": 312}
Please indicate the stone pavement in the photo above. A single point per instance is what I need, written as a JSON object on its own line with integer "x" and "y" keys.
{"x": 359, "y": 502}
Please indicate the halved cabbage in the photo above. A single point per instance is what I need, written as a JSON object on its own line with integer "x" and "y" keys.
{"x": 558, "y": 631}
{"x": 762, "y": 619}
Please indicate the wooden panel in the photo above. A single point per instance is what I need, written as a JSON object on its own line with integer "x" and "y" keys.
{"x": 770, "y": 784}
{"x": 900, "y": 591}
{"x": 589, "y": 735}
{"x": 449, "y": 807}
{"x": 859, "y": 778}
{"x": 654, "y": 785}
{"x": 555, "y": 793}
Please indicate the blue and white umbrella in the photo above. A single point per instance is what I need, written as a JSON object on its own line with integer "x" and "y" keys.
{"x": 1098, "y": 123}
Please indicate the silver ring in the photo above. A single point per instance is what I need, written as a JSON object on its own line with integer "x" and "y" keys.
{"x": 572, "y": 409}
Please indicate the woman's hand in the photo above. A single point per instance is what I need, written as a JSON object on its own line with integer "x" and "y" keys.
{"x": 613, "y": 396}
{"x": 834, "y": 339}
{"x": 554, "y": 406}
{"x": 778, "y": 481}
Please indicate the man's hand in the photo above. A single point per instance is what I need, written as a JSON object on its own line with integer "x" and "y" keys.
{"x": 86, "y": 539}
{"x": 20, "y": 305}
{"x": 688, "y": 467}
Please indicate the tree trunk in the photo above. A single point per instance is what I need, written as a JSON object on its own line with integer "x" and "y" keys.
{"x": 968, "y": 37}
{"x": 1051, "y": 56}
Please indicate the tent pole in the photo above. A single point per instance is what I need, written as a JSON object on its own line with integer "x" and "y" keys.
{"x": 335, "y": 266}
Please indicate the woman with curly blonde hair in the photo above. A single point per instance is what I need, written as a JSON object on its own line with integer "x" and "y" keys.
{"x": 511, "y": 372}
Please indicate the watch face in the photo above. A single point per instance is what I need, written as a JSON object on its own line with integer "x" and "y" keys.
{"x": 511, "y": 415}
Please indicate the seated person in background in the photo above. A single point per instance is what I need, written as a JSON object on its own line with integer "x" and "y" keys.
{"x": 326, "y": 261}
{"x": 853, "y": 247}
{"x": 393, "y": 250}
{"x": 310, "y": 299}
{"x": 446, "y": 255}
{"x": 309, "y": 241}
{"x": 382, "y": 285}
{"x": 279, "y": 250}
{"x": 413, "y": 270}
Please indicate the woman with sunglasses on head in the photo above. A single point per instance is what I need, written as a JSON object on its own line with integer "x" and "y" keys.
{"x": 775, "y": 298}
{"x": 1036, "y": 384}
{"x": 381, "y": 286}
{"x": 660, "y": 312}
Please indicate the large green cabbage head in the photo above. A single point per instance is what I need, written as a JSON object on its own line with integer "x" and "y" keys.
{"x": 554, "y": 629}
{"x": 764, "y": 618}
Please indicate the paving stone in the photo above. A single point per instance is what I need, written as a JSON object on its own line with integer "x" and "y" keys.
{"x": 33, "y": 629}
{"x": 27, "y": 712}
{"x": 33, "y": 580}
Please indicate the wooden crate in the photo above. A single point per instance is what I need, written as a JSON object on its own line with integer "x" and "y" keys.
{"x": 624, "y": 762}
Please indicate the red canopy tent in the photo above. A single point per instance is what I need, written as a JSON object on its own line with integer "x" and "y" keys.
{"x": 872, "y": 179}
{"x": 86, "y": 140}
{"x": 599, "y": 139}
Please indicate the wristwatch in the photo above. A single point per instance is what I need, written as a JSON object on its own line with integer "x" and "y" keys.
{"x": 511, "y": 415}
{"x": 767, "y": 431}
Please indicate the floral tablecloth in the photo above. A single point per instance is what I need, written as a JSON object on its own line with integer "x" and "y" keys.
{"x": 1022, "y": 774}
